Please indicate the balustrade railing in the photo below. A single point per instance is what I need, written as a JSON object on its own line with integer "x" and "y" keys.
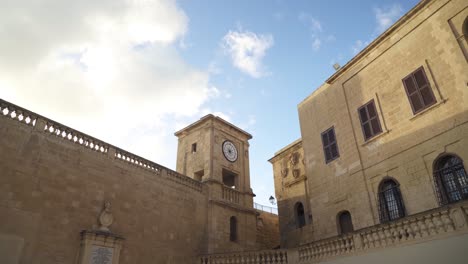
{"x": 268, "y": 209}
{"x": 17, "y": 113}
{"x": 43, "y": 124}
{"x": 425, "y": 225}
{"x": 137, "y": 161}
{"x": 252, "y": 257}
{"x": 229, "y": 194}
{"x": 74, "y": 136}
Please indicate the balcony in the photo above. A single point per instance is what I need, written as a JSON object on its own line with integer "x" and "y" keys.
{"x": 436, "y": 224}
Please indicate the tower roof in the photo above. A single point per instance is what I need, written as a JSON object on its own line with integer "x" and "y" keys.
{"x": 213, "y": 118}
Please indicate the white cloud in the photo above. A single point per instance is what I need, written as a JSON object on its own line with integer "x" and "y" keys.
{"x": 358, "y": 46}
{"x": 314, "y": 25}
{"x": 249, "y": 124}
{"x": 387, "y": 16}
{"x": 384, "y": 18}
{"x": 316, "y": 31}
{"x": 316, "y": 44}
{"x": 247, "y": 51}
{"x": 108, "y": 68}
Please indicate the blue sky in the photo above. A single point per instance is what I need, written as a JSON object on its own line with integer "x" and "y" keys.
{"x": 132, "y": 72}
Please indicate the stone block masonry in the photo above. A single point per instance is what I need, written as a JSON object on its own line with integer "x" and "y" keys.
{"x": 54, "y": 181}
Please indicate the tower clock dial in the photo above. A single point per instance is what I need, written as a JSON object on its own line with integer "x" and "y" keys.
{"x": 229, "y": 151}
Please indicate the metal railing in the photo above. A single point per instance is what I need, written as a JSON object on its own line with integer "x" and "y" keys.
{"x": 268, "y": 209}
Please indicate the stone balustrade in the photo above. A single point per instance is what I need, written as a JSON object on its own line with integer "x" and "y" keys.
{"x": 48, "y": 126}
{"x": 251, "y": 257}
{"x": 230, "y": 195}
{"x": 74, "y": 136}
{"x": 17, "y": 113}
{"x": 137, "y": 161}
{"x": 411, "y": 229}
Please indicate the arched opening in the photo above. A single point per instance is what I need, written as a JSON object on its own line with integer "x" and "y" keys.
{"x": 451, "y": 179}
{"x": 345, "y": 223}
{"x": 233, "y": 229}
{"x": 391, "y": 205}
{"x": 300, "y": 216}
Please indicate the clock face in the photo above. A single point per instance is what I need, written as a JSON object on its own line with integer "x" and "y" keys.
{"x": 229, "y": 151}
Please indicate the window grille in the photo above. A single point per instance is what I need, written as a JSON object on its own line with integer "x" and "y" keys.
{"x": 451, "y": 180}
{"x": 391, "y": 205}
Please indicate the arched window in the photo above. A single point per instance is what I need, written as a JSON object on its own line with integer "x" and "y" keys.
{"x": 345, "y": 223}
{"x": 300, "y": 217}
{"x": 233, "y": 229}
{"x": 391, "y": 205}
{"x": 451, "y": 179}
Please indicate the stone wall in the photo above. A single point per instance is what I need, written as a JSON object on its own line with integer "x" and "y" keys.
{"x": 291, "y": 189}
{"x": 268, "y": 236}
{"x": 428, "y": 37}
{"x": 52, "y": 187}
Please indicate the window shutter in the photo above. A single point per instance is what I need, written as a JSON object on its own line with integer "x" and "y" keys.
{"x": 419, "y": 90}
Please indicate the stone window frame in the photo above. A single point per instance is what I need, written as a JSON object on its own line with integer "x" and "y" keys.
{"x": 375, "y": 128}
{"x": 420, "y": 91}
{"x": 344, "y": 225}
{"x": 390, "y": 201}
{"x": 329, "y": 145}
{"x": 441, "y": 186}
{"x": 300, "y": 218}
{"x": 233, "y": 229}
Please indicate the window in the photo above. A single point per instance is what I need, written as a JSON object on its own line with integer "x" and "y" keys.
{"x": 199, "y": 175}
{"x": 370, "y": 123}
{"x": 233, "y": 229}
{"x": 418, "y": 90}
{"x": 390, "y": 202}
{"x": 194, "y": 147}
{"x": 330, "y": 148}
{"x": 345, "y": 224}
{"x": 300, "y": 216}
{"x": 451, "y": 179}
{"x": 229, "y": 179}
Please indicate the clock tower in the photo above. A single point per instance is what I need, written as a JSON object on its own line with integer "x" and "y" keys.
{"x": 216, "y": 153}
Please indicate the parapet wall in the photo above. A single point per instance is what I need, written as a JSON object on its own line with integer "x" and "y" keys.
{"x": 54, "y": 181}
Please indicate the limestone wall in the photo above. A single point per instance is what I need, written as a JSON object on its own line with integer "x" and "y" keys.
{"x": 429, "y": 37}
{"x": 53, "y": 184}
{"x": 290, "y": 180}
{"x": 268, "y": 236}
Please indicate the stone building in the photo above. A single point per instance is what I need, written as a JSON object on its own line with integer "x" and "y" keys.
{"x": 66, "y": 197}
{"x": 384, "y": 142}
{"x": 378, "y": 176}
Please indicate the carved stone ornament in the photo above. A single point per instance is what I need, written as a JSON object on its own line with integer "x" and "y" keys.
{"x": 296, "y": 173}
{"x": 284, "y": 172}
{"x": 357, "y": 241}
{"x": 458, "y": 218}
{"x": 106, "y": 218}
{"x": 294, "y": 158}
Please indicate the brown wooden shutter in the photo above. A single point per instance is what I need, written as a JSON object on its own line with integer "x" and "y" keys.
{"x": 418, "y": 90}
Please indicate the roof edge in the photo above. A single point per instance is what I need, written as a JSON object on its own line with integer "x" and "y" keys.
{"x": 213, "y": 117}
{"x": 284, "y": 149}
{"x": 378, "y": 40}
